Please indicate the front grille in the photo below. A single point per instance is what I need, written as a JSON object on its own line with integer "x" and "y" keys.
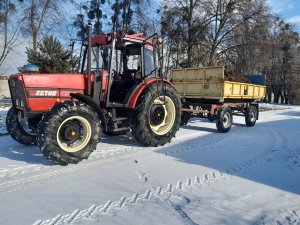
{"x": 17, "y": 92}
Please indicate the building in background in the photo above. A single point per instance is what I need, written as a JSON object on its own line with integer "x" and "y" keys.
{"x": 4, "y": 89}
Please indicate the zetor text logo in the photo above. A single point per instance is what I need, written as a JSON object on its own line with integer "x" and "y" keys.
{"x": 45, "y": 93}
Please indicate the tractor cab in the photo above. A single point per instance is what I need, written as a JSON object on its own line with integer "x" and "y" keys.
{"x": 119, "y": 65}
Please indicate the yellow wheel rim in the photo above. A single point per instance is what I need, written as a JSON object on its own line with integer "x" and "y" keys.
{"x": 83, "y": 140}
{"x": 169, "y": 112}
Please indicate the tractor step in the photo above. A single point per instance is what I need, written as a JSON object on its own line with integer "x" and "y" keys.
{"x": 121, "y": 129}
{"x": 119, "y": 119}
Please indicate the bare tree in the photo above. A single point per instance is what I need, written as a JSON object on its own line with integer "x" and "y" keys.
{"x": 227, "y": 16}
{"x": 184, "y": 24}
{"x": 41, "y": 18}
{"x": 9, "y": 27}
{"x": 284, "y": 65}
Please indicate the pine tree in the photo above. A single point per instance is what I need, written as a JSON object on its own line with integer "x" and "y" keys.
{"x": 51, "y": 57}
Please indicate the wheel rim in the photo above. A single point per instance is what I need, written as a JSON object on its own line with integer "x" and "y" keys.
{"x": 68, "y": 137}
{"x": 226, "y": 120}
{"x": 162, "y": 115}
{"x": 252, "y": 116}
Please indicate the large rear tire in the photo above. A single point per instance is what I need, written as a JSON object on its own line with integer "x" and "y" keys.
{"x": 224, "y": 120}
{"x": 15, "y": 129}
{"x": 69, "y": 132}
{"x": 156, "y": 116}
{"x": 251, "y": 116}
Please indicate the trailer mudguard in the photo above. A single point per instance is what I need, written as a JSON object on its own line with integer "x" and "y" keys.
{"x": 94, "y": 105}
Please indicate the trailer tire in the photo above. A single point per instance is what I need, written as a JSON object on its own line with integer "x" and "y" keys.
{"x": 185, "y": 117}
{"x": 15, "y": 129}
{"x": 69, "y": 132}
{"x": 155, "y": 122}
{"x": 224, "y": 120}
{"x": 251, "y": 116}
{"x": 211, "y": 119}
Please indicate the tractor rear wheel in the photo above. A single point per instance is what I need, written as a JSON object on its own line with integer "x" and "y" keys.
{"x": 156, "y": 116}
{"x": 69, "y": 132}
{"x": 15, "y": 129}
{"x": 224, "y": 120}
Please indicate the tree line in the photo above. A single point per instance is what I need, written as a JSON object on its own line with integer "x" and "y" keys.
{"x": 245, "y": 35}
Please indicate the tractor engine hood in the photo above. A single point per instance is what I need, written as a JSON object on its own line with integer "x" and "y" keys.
{"x": 39, "y": 92}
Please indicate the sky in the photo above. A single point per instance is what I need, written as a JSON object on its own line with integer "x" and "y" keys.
{"x": 288, "y": 9}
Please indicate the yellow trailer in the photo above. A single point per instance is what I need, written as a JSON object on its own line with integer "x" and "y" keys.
{"x": 205, "y": 93}
{"x": 208, "y": 83}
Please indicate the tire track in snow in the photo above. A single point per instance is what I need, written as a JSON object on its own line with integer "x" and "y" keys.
{"x": 285, "y": 217}
{"x": 272, "y": 154}
{"x": 104, "y": 156}
{"x": 98, "y": 157}
{"x": 291, "y": 217}
{"x": 158, "y": 194}
{"x": 115, "y": 151}
{"x": 180, "y": 212}
{"x": 27, "y": 182}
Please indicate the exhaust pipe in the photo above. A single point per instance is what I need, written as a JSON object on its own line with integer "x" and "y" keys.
{"x": 89, "y": 61}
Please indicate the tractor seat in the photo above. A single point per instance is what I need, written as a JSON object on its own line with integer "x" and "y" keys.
{"x": 121, "y": 86}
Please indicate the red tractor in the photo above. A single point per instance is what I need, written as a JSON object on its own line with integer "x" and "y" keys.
{"x": 64, "y": 114}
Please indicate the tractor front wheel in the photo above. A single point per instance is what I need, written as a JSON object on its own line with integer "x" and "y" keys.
{"x": 157, "y": 115}
{"x": 69, "y": 132}
{"x": 15, "y": 129}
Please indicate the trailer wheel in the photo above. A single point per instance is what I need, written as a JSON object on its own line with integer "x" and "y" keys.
{"x": 15, "y": 129}
{"x": 224, "y": 120}
{"x": 211, "y": 119}
{"x": 156, "y": 117}
{"x": 185, "y": 117}
{"x": 250, "y": 116}
{"x": 69, "y": 132}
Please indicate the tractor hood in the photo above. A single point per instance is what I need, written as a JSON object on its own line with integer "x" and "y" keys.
{"x": 63, "y": 81}
{"x": 39, "y": 92}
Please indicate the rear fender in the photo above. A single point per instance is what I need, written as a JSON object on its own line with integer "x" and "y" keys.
{"x": 94, "y": 105}
{"x": 135, "y": 94}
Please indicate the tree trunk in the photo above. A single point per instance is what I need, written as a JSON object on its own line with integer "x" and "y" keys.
{"x": 34, "y": 41}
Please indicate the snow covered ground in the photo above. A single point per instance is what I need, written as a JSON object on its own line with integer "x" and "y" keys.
{"x": 247, "y": 176}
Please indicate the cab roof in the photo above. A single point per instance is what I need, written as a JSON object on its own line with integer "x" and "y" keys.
{"x": 105, "y": 39}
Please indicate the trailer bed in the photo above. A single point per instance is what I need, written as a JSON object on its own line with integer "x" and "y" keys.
{"x": 208, "y": 84}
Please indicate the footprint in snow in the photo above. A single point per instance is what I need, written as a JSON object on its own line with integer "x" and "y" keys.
{"x": 142, "y": 176}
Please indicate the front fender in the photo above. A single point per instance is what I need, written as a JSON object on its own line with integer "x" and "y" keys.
{"x": 93, "y": 104}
